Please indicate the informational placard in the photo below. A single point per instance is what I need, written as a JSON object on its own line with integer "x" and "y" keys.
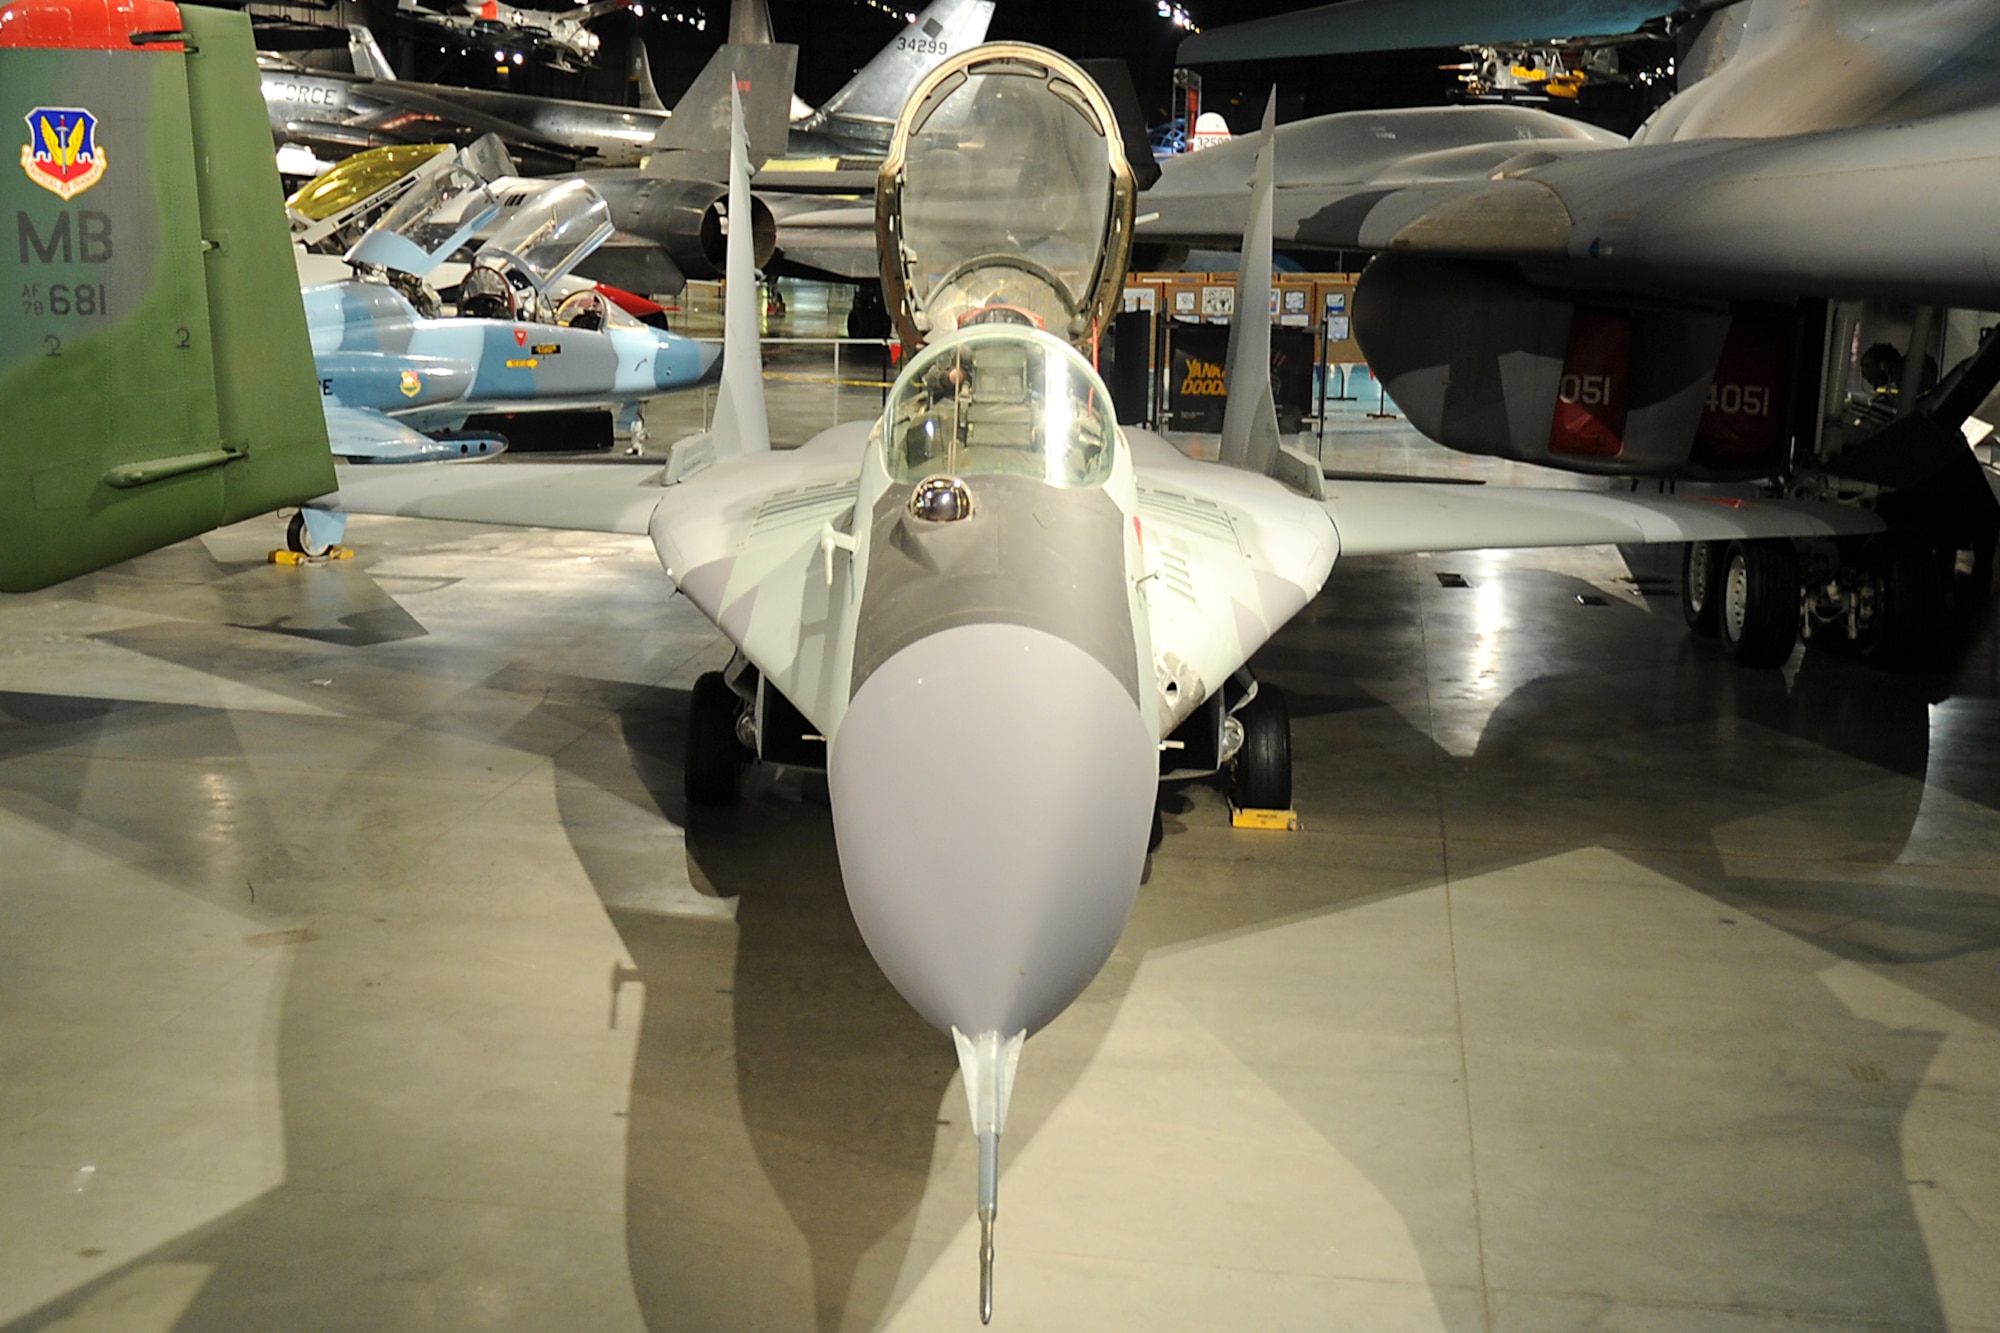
{"x": 1198, "y": 388}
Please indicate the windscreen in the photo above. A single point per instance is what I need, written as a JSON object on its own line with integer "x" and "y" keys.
{"x": 1002, "y": 400}
{"x": 1006, "y": 195}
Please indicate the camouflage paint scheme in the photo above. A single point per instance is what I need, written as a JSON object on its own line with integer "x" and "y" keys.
{"x": 388, "y": 376}
{"x": 155, "y": 378}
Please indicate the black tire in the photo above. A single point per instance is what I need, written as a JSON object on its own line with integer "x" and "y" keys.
{"x": 1158, "y": 834}
{"x": 1759, "y": 602}
{"x": 300, "y": 540}
{"x": 1910, "y": 592}
{"x": 715, "y": 758}
{"x": 1700, "y": 564}
{"x": 1261, "y": 777}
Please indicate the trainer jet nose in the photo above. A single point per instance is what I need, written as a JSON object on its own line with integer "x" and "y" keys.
{"x": 993, "y": 786}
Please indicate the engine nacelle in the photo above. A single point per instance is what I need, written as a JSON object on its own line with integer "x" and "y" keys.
{"x": 1485, "y": 362}
{"x": 685, "y": 218}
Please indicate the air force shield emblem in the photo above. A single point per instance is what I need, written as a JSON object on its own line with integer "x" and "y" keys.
{"x": 62, "y": 154}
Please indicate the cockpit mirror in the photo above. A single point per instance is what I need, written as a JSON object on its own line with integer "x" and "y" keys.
{"x": 1005, "y": 188}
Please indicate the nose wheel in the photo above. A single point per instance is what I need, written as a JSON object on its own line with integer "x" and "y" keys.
{"x": 715, "y": 758}
{"x": 1261, "y": 774}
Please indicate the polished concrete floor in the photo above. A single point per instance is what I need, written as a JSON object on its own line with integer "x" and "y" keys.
{"x": 364, "y": 969}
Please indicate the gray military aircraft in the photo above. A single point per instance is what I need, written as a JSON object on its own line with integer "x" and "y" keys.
{"x": 1696, "y": 303}
{"x": 331, "y": 115}
{"x": 994, "y": 617}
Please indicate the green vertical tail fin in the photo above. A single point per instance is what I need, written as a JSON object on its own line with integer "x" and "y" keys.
{"x": 156, "y": 379}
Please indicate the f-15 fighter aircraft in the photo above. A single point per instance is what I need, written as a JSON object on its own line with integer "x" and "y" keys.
{"x": 995, "y": 617}
{"x": 1702, "y": 302}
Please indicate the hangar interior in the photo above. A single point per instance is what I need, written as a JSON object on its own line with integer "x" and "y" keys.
{"x": 366, "y": 969}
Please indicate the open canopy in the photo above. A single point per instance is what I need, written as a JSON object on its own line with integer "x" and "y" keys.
{"x": 1005, "y": 185}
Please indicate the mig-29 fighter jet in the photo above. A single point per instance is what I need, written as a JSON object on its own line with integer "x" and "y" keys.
{"x": 996, "y": 618}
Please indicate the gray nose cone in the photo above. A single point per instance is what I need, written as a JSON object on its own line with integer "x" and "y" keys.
{"x": 992, "y": 788}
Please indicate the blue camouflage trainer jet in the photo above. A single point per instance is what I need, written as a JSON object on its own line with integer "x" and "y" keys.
{"x": 398, "y": 379}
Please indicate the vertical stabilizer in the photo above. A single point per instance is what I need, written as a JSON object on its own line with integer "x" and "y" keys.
{"x": 755, "y": 79}
{"x": 741, "y": 424}
{"x": 366, "y": 53}
{"x": 640, "y": 72}
{"x": 1250, "y": 421}
{"x": 750, "y": 23}
{"x": 988, "y": 1062}
{"x": 866, "y": 108}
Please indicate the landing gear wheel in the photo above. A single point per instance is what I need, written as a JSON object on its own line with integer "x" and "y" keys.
{"x": 1701, "y": 569}
{"x": 1262, "y": 773}
{"x": 1158, "y": 834}
{"x": 1759, "y": 602}
{"x": 1909, "y": 586}
{"x": 715, "y": 758}
{"x": 299, "y": 540}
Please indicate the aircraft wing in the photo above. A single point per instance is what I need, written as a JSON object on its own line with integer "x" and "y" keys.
{"x": 586, "y": 497}
{"x": 1735, "y": 218}
{"x": 741, "y": 537}
{"x": 1336, "y": 172}
{"x": 1400, "y": 517}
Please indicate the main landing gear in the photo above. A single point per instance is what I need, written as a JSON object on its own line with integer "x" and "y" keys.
{"x": 1886, "y": 598}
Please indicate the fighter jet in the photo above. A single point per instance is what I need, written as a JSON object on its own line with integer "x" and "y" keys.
{"x": 153, "y": 384}
{"x": 996, "y": 618}
{"x": 1696, "y": 303}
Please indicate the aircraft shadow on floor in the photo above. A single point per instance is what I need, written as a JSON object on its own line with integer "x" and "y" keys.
{"x": 778, "y": 1022}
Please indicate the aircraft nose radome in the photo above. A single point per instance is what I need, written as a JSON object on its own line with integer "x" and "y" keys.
{"x": 992, "y": 788}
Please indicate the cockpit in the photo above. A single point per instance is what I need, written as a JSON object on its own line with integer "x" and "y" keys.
{"x": 1001, "y": 399}
{"x": 1005, "y": 187}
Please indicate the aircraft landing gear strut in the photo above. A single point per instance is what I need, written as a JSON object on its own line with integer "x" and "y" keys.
{"x": 715, "y": 756}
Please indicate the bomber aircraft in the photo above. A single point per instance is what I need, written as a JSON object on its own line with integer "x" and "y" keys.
{"x": 1708, "y": 301}
{"x": 994, "y": 617}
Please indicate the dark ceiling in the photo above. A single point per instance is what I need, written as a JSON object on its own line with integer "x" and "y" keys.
{"x": 836, "y": 37}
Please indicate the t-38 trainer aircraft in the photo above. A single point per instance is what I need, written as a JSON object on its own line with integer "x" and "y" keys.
{"x": 1703, "y": 302}
{"x": 993, "y": 616}
{"x": 397, "y": 380}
